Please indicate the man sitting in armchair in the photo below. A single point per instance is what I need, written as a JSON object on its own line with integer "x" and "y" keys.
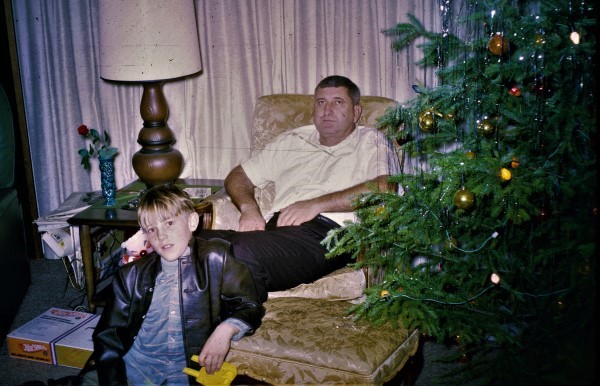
{"x": 318, "y": 171}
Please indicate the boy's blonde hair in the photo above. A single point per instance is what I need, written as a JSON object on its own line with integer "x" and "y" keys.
{"x": 163, "y": 202}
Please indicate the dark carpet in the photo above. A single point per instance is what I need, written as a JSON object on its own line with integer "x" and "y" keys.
{"x": 50, "y": 288}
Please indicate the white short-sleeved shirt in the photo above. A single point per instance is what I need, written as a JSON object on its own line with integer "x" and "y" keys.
{"x": 302, "y": 168}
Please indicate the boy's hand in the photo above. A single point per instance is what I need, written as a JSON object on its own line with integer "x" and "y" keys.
{"x": 214, "y": 351}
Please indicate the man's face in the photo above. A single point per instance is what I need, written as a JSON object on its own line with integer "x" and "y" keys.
{"x": 170, "y": 237}
{"x": 335, "y": 115}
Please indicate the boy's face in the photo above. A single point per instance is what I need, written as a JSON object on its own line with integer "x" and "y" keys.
{"x": 170, "y": 237}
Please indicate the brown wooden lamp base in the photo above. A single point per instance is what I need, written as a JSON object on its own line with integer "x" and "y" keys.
{"x": 156, "y": 163}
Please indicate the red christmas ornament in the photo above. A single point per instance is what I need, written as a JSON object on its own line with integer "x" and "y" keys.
{"x": 515, "y": 91}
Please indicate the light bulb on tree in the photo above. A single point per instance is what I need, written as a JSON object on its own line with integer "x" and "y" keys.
{"x": 495, "y": 278}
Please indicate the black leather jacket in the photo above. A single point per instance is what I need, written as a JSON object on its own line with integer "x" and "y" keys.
{"x": 214, "y": 287}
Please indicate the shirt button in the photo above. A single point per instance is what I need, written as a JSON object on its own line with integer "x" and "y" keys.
{"x": 172, "y": 312}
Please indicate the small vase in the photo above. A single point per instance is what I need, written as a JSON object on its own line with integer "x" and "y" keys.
{"x": 107, "y": 180}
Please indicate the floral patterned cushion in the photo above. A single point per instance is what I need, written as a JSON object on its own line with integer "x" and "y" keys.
{"x": 314, "y": 341}
{"x": 343, "y": 284}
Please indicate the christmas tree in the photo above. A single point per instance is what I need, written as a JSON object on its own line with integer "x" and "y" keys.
{"x": 491, "y": 244}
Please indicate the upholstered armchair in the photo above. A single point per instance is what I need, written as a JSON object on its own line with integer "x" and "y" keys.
{"x": 307, "y": 335}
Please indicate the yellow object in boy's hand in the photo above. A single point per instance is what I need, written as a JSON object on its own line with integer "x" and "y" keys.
{"x": 224, "y": 376}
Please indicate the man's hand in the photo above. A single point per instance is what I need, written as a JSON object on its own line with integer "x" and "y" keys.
{"x": 216, "y": 347}
{"x": 298, "y": 213}
{"x": 251, "y": 221}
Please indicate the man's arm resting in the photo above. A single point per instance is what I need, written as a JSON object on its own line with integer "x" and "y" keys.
{"x": 241, "y": 190}
{"x": 341, "y": 201}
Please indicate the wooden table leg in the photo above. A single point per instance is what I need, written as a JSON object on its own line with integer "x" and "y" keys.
{"x": 88, "y": 264}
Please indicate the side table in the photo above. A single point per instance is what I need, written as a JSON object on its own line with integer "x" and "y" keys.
{"x": 118, "y": 216}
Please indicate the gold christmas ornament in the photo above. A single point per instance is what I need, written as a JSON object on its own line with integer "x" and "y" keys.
{"x": 539, "y": 39}
{"x": 486, "y": 127}
{"x": 427, "y": 121}
{"x": 498, "y": 45}
{"x": 464, "y": 199}
{"x": 448, "y": 116}
{"x": 505, "y": 174}
{"x": 384, "y": 293}
{"x": 514, "y": 163}
{"x": 471, "y": 154}
{"x": 451, "y": 244}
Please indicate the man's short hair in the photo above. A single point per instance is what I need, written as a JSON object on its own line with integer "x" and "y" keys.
{"x": 341, "y": 81}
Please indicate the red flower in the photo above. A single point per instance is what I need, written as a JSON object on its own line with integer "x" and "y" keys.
{"x": 83, "y": 130}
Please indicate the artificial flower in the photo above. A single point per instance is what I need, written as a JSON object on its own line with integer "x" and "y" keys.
{"x": 100, "y": 146}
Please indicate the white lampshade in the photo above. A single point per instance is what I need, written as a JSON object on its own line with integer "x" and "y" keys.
{"x": 148, "y": 40}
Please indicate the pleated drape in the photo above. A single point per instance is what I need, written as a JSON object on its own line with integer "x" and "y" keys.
{"x": 249, "y": 48}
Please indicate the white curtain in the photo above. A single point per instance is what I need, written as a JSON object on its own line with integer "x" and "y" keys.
{"x": 249, "y": 48}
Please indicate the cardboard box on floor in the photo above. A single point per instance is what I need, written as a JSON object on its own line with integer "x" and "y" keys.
{"x": 58, "y": 337}
{"x": 74, "y": 349}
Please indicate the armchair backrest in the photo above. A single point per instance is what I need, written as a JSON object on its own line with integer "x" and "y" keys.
{"x": 276, "y": 113}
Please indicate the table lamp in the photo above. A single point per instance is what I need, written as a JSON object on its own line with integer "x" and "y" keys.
{"x": 149, "y": 42}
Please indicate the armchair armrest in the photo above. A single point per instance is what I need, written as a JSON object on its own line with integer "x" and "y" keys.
{"x": 218, "y": 212}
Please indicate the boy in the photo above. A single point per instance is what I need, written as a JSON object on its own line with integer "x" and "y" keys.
{"x": 188, "y": 296}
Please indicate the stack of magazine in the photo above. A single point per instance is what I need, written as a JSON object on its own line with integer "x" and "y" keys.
{"x": 74, "y": 204}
